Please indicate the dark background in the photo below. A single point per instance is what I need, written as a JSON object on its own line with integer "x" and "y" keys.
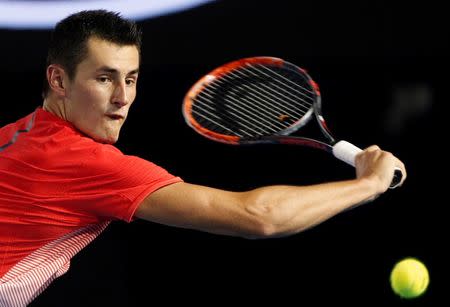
{"x": 382, "y": 72}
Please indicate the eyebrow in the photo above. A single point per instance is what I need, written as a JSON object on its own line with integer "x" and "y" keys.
{"x": 115, "y": 71}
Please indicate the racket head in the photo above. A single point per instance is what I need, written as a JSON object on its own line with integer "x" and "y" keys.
{"x": 251, "y": 99}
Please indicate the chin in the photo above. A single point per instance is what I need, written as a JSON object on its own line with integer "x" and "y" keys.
{"x": 106, "y": 139}
{"x": 111, "y": 140}
{"x": 105, "y": 136}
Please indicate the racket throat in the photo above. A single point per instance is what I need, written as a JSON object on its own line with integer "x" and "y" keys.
{"x": 291, "y": 140}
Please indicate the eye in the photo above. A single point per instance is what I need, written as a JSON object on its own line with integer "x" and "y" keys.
{"x": 103, "y": 79}
{"x": 130, "y": 81}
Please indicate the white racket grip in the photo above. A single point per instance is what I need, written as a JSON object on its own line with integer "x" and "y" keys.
{"x": 346, "y": 152}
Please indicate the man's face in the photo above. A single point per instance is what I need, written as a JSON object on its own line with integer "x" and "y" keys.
{"x": 104, "y": 87}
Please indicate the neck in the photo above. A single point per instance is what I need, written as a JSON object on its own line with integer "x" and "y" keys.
{"x": 55, "y": 106}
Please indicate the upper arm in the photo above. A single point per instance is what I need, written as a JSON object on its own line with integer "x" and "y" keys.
{"x": 199, "y": 207}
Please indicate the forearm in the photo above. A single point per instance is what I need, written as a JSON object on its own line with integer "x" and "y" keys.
{"x": 273, "y": 210}
{"x": 287, "y": 210}
{"x": 270, "y": 211}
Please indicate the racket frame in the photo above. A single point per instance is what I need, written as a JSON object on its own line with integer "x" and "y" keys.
{"x": 340, "y": 149}
{"x": 283, "y": 136}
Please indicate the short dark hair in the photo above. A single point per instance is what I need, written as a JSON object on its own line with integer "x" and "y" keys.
{"x": 68, "y": 41}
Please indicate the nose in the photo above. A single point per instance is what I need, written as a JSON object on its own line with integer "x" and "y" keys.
{"x": 120, "y": 97}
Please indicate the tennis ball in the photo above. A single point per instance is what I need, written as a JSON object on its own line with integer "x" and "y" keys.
{"x": 409, "y": 278}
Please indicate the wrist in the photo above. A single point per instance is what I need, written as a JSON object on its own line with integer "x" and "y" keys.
{"x": 370, "y": 184}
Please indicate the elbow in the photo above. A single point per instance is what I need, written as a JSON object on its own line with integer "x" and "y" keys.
{"x": 264, "y": 222}
{"x": 261, "y": 230}
{"x": 268, "y": 230}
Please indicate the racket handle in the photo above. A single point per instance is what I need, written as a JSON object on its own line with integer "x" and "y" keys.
{"x": 347, "y": 152}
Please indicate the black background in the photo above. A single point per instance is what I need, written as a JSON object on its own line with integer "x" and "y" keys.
{"x": 361, "y": 54}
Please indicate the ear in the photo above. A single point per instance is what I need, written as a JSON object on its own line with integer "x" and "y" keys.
{"x": 56, "y": 77}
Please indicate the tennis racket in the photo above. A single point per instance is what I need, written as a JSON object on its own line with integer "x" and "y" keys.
{"x": 262, "y": 100}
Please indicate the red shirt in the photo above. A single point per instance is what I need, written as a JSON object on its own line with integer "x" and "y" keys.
{"x": 56, "y": 182}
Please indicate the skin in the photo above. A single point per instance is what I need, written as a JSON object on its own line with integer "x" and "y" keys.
{"x": 97, "y": 100}
{"x": 105, "y": 84}
{"x": 271, "y": 211}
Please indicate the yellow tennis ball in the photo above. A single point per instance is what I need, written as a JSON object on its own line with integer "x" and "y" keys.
{"x": 409, "y": 278}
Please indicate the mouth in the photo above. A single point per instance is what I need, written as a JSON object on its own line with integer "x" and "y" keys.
{"x": 115, "y": 116}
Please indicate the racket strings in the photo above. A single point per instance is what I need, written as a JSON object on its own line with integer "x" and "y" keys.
{"x": 215, "y": 123}
{"x": 253, "y": 101}
{"x": 278, "y": 104}
{"x": 231, "y": 120}
{"x": 258, "y": 88}
{"x": 241, "y": 93}
{"x": 250, "y": 123}
{"x": 234, "y": 97}
{"x": 295, "y": 86}
{"x": 303, "y": 100}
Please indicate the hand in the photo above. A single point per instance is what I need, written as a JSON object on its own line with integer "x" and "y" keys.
{"x": 378, "y": 166}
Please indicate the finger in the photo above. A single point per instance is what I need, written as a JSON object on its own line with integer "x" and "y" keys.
{"x": 372, "y": 148}
{"x": 402, "y": 167}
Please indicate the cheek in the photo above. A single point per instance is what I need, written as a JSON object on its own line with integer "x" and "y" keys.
{"x": 132, "y": 94}
{"x": 93, "y": 99}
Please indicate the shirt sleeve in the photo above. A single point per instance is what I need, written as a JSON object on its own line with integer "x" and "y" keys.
{"x": 111, "y": 185}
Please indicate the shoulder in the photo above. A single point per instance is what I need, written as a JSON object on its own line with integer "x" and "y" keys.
{"x": 10, "y": 130}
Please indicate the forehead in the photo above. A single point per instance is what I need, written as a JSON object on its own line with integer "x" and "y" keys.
{"x": 104, "y": 53}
